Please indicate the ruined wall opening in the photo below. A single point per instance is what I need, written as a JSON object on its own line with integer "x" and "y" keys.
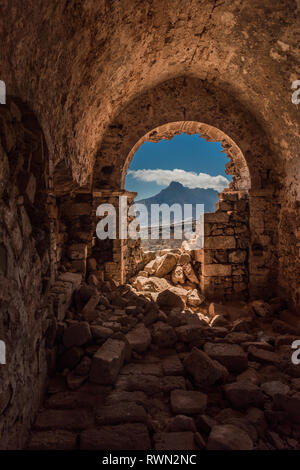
{"x": 181, "y": 172}
{"x": 197, "y": 106}
{"x": 26, "y": 268}
{"x": 220, "y": 262}
{"x": 237, "y": 166}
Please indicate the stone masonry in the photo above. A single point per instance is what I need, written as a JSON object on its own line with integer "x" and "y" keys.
{"x": 108, "y": 346}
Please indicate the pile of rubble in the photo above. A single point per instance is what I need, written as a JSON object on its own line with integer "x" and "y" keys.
{"x": 169, "y": 278}
{"x": 155, "y": 366}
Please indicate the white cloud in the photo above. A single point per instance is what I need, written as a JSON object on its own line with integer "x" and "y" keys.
{"x": 186, "y": 178}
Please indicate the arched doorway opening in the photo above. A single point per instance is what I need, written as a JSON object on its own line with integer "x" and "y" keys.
{"x": 220, "y": 265}
{"x": 237, "y": 166}
{"x": 193, "y": 105}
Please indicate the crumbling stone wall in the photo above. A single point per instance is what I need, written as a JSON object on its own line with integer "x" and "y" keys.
{"x": 76, "y": 215}
{"x": 264, "y": 207}
{"x": 76, "y": 247}
{"x": 224, "y": 258}
{"x": 126, "y": 253}
{"x": 25, "y": 269}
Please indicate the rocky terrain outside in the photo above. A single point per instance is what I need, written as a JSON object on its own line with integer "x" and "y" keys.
{"x": 177, "y": 194}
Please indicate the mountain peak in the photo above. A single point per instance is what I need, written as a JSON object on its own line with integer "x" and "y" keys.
{"x": 175, "y": 185}
{"x": 176, "y": 193}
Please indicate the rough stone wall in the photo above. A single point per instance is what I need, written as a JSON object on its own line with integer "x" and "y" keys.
{"x": 289, "y": 230}
{"x": 264, "y": 268}
{"x": 25, "y": 270}
{"x": 77, "y": 222}
{"x": 125, "y": 253}
{"x": 289, "y": 246}
{"x": 133, "y": 253}
{"x": 224, "y": 258}
{"x": 75, "y": 245}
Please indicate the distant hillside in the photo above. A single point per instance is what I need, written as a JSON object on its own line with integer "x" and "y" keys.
{"x": 176, "y": 193}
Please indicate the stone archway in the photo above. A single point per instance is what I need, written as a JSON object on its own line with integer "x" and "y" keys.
{"x": 223, "y": 260}
{"x": 191, "y": 100}
{"x": 237, "y": 166}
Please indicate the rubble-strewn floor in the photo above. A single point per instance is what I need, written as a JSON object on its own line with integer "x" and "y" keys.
{"x": 132, "y": 375}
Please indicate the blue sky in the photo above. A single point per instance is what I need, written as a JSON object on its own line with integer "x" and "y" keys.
{"x": 188, "y": 159}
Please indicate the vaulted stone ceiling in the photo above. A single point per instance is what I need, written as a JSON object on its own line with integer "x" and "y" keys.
{"x": 78, "y": 63}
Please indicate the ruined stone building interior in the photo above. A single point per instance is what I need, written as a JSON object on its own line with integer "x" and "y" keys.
{"x": 109, "y": 346}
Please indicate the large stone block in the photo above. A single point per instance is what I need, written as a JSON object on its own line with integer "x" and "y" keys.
{"x": 178, "y": 276}
{"x": 175, "y": 441}
{"x": 190, "y": 273}
{"x": 63, "y": 419}
{"x": 79, "y": 265}
{"x": 220, "y": 243}
{"x": 74, "y": 278}
{"x": 194, "y": 299}
{"x": 163, "y": 335}
{"x": 149, "y": 384}
{"x": 204, "y": 370}
{"x": 123, "y": 412}
{"x": 244, "y": 394}
{"x": 139, "y": 338}
{"x": 107, "y": 362}
{"x": 165, "y": 265}
{"x": 228, "y": 437}
{"x": 171, "y": 297}
{"x": 238, "y": 256}
{"x": 216, "y": 217}
{"x": 172, "y": 365}
{"x": 232, "y": 356}
{"x": 77, "y": 335}
{"x": 151, "y": 284}
{"x": 224, "y": 205}
{"x": 263, "y": 356}
{"x": 216, "y": 270}
{"x": 52, "y": 440}
{"x": 229, "y": 196}
{"x": 130, "y": 436}
{"x": 188, "y": 402}
{"x": 77, "y": 251}
{"x": 90, "y": 306}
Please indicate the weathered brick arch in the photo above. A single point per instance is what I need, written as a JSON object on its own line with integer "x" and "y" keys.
{"x": 237, "y": 166}
{"x": 184, "y": 99}
{"x": 222, "y": 117}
